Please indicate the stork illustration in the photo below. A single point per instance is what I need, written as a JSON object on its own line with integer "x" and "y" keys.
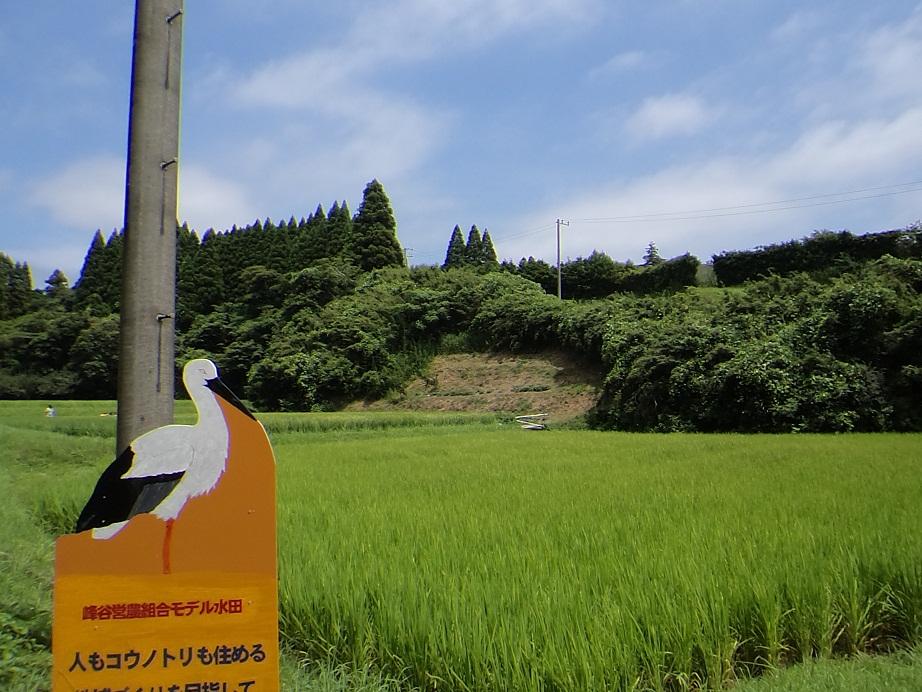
{"x": 164, "y": 468}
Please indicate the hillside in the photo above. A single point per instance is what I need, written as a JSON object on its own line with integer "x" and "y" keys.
{"x": 551, "y": 382}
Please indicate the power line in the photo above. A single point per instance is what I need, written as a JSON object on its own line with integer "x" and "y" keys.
{"x": 522, "y": 234}
{"x": 750, "y": 212}
{"x": 705, "y": 213}
{"x": 735, "y": 210}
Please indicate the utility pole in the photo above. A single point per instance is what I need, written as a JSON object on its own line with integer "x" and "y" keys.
{"x": 148, "y": 299}
{"x": 559, "y": 285}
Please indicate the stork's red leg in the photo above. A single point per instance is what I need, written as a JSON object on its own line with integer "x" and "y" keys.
{"x": 166, "y": 546}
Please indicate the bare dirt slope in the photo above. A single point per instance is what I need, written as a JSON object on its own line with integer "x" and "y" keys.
{"x": 552, "y": 383}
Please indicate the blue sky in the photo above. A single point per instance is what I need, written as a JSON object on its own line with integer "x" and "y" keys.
{"x": 700, "y": 125}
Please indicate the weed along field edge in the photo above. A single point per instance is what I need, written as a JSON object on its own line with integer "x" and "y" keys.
{"x": 460, "y": 552}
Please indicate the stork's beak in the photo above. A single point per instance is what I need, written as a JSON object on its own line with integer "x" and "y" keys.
{"x": 219, "y": 388}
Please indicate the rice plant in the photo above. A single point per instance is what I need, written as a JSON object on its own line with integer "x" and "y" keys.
{"x": 440, "y": 553}
{"x": 591, "y": 561}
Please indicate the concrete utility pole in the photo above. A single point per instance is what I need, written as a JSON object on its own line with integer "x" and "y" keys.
{"x": 559, "y": 285}
{"x": 146, "y": 349}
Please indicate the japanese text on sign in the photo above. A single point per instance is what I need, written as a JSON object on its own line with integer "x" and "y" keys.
{"x": 133, "y": 611}
{"x": 220, "y": 655}
{"x": 245, "y": 686}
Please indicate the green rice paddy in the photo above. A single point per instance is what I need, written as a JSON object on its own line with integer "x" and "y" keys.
{"x": 462, "y": 553}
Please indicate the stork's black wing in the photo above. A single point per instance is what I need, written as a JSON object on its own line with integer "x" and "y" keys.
{"x": 154, "y": 490}
{"x": 117, "y": 499}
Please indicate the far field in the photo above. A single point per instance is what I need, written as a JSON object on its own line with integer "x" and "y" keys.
{"x": 459, "y": 552}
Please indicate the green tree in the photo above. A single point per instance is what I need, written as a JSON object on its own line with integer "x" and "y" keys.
{"x": 595, "y": 276}
{"x": 19, "y": 298}
{"x": 374, "y": 232}
{"x": 651, "y": 256}
{"x": 56, "y": 285}
{"x": 102, "y": 271}
{"x": 317, "y": 285}
{"x": 91, "y": 279}
{"x": 94, "y": 359}
{"x": 455, "y": 256}
{"x": 309, "y": 241}
{"x": 473, "y": 250}
{"x": 15, "y": 288}
{"x": 260, "y": 288}
{"x": 338, "y": 230}
{"x": 540, "y": 272}
{"x": 488, "y": 252}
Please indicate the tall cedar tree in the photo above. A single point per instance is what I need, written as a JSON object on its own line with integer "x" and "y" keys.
{"x": 455, "y": 256}
{"x": 374, "y": 231}
{"x": 338, "y": 230}
{"x": 101, "y": 273}
{"x": 90, "y": 280}
{"x": 313, "y": 243}
{"x": 15, "y": 287}
{"x": 488, "y": 252}
{"x": 111, "y": 270}
{"x": 473, "y": 251}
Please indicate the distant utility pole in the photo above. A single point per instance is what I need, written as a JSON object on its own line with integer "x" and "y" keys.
{"x": 148, "y": 299}
{"x": 559, "y": 285}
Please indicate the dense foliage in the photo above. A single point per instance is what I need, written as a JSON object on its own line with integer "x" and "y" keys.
{"x": 781, "y": 354}
{"x": 598, "y": 275}
{"x": 311, "y": 314}
{"x": 824, "y": 251}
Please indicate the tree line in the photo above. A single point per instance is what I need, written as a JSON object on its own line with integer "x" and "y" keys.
{"x": 314, "y": 313}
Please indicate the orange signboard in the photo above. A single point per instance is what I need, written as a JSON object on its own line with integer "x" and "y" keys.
{"x": 181, "y": 597}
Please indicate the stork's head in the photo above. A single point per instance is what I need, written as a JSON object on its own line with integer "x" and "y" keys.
{"x": 202, "y": 373}
{"x": 198, "y": 373}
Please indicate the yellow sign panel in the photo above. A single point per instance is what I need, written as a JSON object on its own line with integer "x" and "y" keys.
{"x": 181, "y": 597}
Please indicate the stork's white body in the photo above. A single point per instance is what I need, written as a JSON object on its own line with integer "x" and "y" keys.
{"x": 198, "y": 451}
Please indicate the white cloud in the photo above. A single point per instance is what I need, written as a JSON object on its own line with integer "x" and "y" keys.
{"x": 832, "y": 157}
{"x": 368, "y": 131}
{"x": 306, "y": 80}
{"x": 429, "y": 25}
{"x": 838, "y": 152}
{"x": 797, "y": 26}
{"x": 622, "y": 62}
{"x": 399, "y": 32}
{"x": 892, "y": 56}
{"x": 318, "y": 158}
{"x": 861, "y": 70}
{"x": 86, "y": 194}
{"x": 90, "y": 194}
{"x": 863, "y": 129}
{"x": 390, "y": 137}
{"x": 209, "y": 201}
{"x": 669, "y": 115}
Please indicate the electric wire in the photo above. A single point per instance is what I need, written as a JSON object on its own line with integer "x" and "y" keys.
{"x": 748, "y": 212}
{"x": 738, "y": 209}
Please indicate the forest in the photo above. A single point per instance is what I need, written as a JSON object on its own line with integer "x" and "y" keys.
{"x": 823, "y": 333}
